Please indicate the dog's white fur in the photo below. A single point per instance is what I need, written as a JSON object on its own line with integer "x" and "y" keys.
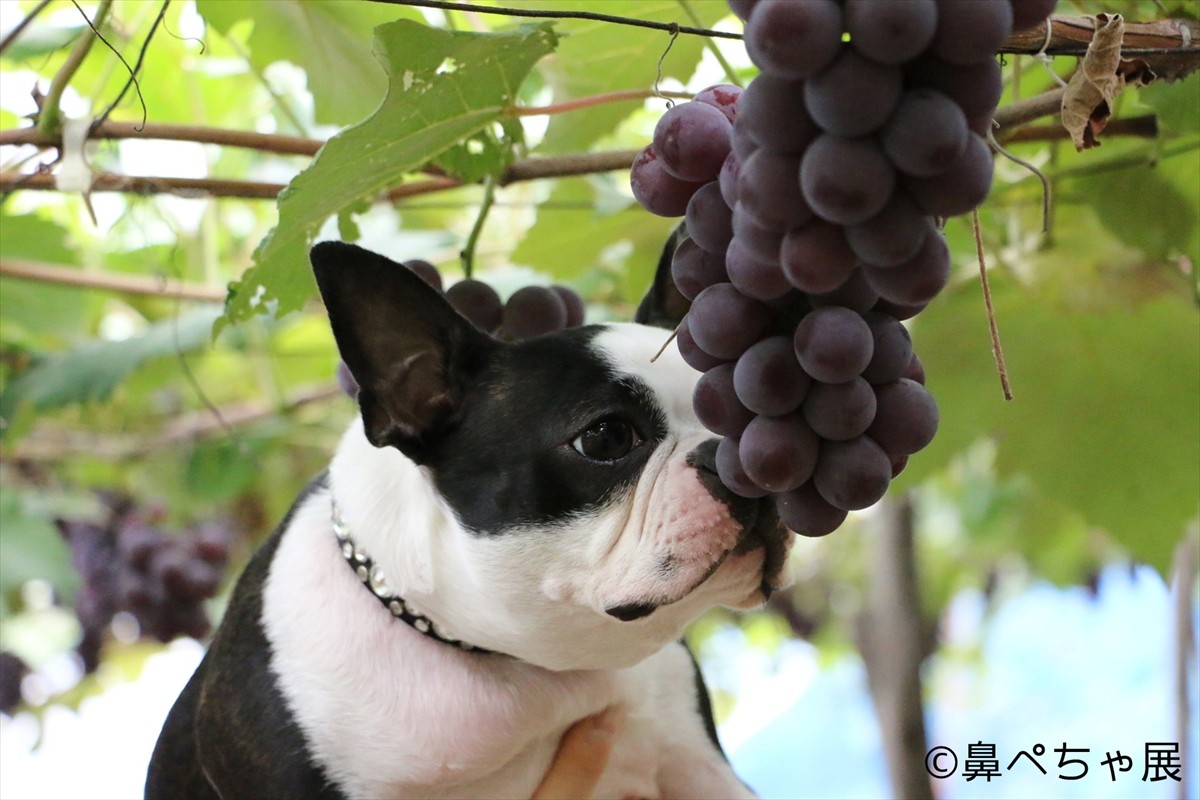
{"x": 389, "y": 712}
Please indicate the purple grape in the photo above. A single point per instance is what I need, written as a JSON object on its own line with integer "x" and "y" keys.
{"x": 708, "y": 219}
{"x": 794, "y": 38}
{"x": 1027, "y": 13}
{"x": 769, "y": 191}
{"x": 900, "y": 311}
{"x": 723, "y": 97}
{"x": 772, "y": 114}
{"x": 729, "y": 469}
{"x": 893, "y": 348}
{"x": 854, "y": 96}
{"x": 753, "y": 277}
{"x": 478, "y": 302}
{"x": 692, "y": 140}
{"x": 762, "y": 243}
{"x": 716, "y": 404}
{"x": 833, "y": 344}
{"x": 915, "y": 371}
{"x": 211, "y": 545}
{"x": 846, "y": 181}
{"x": 926, "y": 134}
{"x": 426, "y": 272}
{"x": 740, "y": 143}
{"x": 971, "y": 31}
{"x": 657, "y": 190}
{"x": 724, "y": 322}
{"x": 728, "y": 177}
{"x": 804, "y": 511}
{"x": 742, "y": 8}
{"x": 694, "y": 269}
{"x": 917, "y": 280}
{"x": 975, "y": 87}
{"x": 840, "y": 411}
{"x": 853, "y": 474}
{"x": 576, "y": 310}
{"x": 892, "y": 236}
{"x": 346, "y": 380}
{"x": 906, "y": 417}
{"x": 855, "y": 294}
{"x": 963, "y": 185}
{"x": 533, "y": 311}
{"x": 779, "y": 453}
{"x": 891, "y": 32}
{"x": 768, "y": 379}
{"x": 816, "y": 258}
{"x": 695, "y": 358}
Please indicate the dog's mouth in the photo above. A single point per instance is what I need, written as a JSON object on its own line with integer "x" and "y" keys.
{"x": 761, "y": 530}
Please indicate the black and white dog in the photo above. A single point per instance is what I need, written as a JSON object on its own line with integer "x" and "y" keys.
{"x": 511, "y": 537}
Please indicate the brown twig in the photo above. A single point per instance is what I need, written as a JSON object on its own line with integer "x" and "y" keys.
{"x": 189, "y": 428}
{"x": 20, "y": 26}
{"x": 559, "y": 14}
{"x": 993, "y": 328}
{"x": 894, "y": 639}
{"x": 525, "y": 170}
{"x": 1170, "y": 47}
{"x": 1144, "y": 126}
{"x": 126, "y": 284}
{"x": 1026, "y": 111}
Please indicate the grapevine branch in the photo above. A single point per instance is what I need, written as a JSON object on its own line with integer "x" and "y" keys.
{"x": 548, "y": 14}
{"x": 126, "y": 284}
{"x": 524, "y": 170}
{"x": 50, "y": 117}
{"x": 193, "y": 427}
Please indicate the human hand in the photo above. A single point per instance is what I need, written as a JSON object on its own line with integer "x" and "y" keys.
{"x": 581, "y": 757}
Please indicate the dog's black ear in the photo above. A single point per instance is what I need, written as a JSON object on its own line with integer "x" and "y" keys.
{"x": 663, "y": 306}
{"x": 411, "y": 353}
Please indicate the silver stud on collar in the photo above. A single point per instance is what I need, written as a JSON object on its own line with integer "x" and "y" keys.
{"x": 372, "y": 576}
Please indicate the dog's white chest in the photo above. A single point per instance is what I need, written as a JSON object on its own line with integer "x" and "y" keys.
{"x": 391, "y": 713}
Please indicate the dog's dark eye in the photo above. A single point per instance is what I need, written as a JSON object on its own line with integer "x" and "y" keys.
{"x": 607, "y": 440}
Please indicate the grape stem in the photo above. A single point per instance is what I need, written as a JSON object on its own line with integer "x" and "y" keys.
{"x": 993, "y": 328}
{"x": 991, "y": 139}
{"x": 50, "y": 116}
{"x": 686, "y": 5}
{"x": 670, "y": 339}
{"x": 485, "y": 205}
{"x": 547, "y": 14}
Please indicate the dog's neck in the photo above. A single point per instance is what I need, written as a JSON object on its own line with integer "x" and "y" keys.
{"x": 375, "y": 580}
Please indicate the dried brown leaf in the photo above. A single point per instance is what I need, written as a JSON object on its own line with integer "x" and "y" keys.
{"x": 1087, "y": 102}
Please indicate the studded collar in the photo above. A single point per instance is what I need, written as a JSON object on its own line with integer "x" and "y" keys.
{"x": 372, "y": 577}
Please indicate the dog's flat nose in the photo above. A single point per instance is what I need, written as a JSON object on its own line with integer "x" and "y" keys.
{"x": 704, "y": 456}
{"x": 631, "y": 611}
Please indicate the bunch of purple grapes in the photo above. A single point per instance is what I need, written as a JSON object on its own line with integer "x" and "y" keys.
{"x": 812, "y": 203}
{"x": 161, "y": 579}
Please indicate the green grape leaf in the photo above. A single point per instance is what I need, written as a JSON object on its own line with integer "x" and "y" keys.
{"x": 328, "y": 38}
{"x": 33, "y": 308}
{"x": 599, "y": 57}
{"x": 1104, "y": 420}
{"x": 444, "y": 86}
{"x": 91, "y": 372}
